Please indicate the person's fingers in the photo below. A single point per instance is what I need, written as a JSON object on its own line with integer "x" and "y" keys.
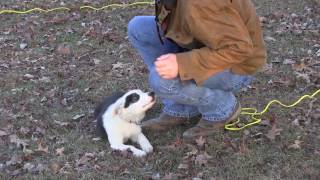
{"x": 161, "y": 72}
{"x": 163, "y": 57}
{"x": 160, "y": 63}
{"x": 163, "y": 69}
{"x": 166, "y": 77}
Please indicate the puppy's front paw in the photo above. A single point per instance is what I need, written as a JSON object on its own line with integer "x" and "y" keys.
{"x": 147, "y": 148}
{"x": 139, "y": 153}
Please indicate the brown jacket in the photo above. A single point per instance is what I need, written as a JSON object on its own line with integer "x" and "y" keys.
{"x": 220, "y": 34}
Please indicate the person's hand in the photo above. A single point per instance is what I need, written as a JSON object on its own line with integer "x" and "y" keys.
{"x": 167, "y": 66}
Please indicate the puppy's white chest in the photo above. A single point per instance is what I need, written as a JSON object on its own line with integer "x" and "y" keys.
{"x": 128, "y": 129}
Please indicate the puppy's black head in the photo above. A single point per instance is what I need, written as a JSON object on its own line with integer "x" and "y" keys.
{"x": 130, "y": 99}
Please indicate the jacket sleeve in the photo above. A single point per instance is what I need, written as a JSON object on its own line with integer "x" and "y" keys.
{"x": 225, "y": 36}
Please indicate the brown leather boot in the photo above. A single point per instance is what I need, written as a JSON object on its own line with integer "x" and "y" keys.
{"x": 163, "y": 122}
{"x": 206, "y": 128}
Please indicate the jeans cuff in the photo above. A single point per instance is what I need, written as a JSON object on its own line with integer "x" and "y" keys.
{"x": 222, "y": 116}
{"x": 180, "y": 114}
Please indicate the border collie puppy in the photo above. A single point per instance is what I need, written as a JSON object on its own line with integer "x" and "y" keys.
{"x": 119, "y": 116}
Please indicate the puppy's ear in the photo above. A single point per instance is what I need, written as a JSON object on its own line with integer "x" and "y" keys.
{"x": 117, "y": 109}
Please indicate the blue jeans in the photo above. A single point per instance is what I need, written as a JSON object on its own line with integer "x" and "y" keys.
{"x": 215, "y": 100}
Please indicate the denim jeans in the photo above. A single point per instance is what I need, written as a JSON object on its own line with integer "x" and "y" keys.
{"x": 214, "y": 100}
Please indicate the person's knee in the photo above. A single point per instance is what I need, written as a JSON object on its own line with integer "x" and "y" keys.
{"x": 141, "y": 28}
{"x": 133, "y": 25}
{"x": 163, "y": 86}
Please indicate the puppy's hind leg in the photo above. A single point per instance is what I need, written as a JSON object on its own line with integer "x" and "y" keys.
{"x": 122, "y": 147}
{"x": 143, "y": 142}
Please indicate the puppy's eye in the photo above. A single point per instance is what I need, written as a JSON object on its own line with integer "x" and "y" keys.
{"x": 132, "y": 98}
{"x": 135, "y": 98}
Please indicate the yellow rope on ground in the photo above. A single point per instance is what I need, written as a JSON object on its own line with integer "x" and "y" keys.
{"x": 8, "y": 11}
{"x": 255, "y": 115}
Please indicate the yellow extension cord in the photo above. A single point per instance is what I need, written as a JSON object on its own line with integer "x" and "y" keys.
{"x": 252, "y": 112}
{"x": 8, "y": 11}
{"x": 255, "y": 115}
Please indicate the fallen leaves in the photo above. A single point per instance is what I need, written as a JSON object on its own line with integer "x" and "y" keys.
{"x": 14, "y": 160}
{"x": 60, "y": 151}
{"x": 3, "y": 133}
{"x": 28, "y": 76}
{"x": 269, "y": 38}
{"x": 19, "y": 142}
{"x": 296, "y": 145}
{"x": 64, "y": 49}
{"x": 183, "y": 166}
{"x": 42, "y": 147}
{"x": 84, "y": 160}
{"x": 59, "y": 19}
{"x": 62, "y": 124}
{"x": 55, "y": 167}
{"x": 273, "y": 133}
{"x": 202, "y": 159}
{"x": 201, "y": 142}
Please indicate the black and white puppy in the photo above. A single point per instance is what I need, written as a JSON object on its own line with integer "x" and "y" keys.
{"x": 119, "y": 116}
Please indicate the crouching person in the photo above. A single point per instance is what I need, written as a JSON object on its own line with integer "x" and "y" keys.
{"x": 199, "y": 54}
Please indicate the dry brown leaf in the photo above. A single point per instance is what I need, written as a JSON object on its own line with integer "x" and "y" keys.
{"x": 59, "y": 19}
{"x": 28, "y": 76}
{"x": 243, "y": 148}
{"x": 200, "y": 142}
{"x": 42, "y": 147}
{"x": 118, "y": 65}
{"x": 85, "y": 159}
{"x": 24, "y": 130}
{"x": 193, "y": 151}
{"x": 298, "y": 67}
{"x": 59, "y": 151}
{"x": 315, "y": 116}
{"x": 64, "y": 49}
{"x": 19, "y": 142}
{"x": 28, "y": 166}
{"x": 3, "y": 133}
{"x": 228, "y": 143}
{"x": 273, "y": 132}
{"x": 202, "y": 159}
{"x": 61, "y": 123}
{"x": 183, "y": 166}
{"x": 263, "y": 19}
{"x": 15, "y": 159}
{"x": 16, "y": 172}
{"x": 96, "y": 139}
{"x": 269, "y": 38}
{"x": 178, "y": 142}
{"x": 303, "y": 76}
{"x": 40, "y": 168}
{"x": 296, "y": 145}
{"x": 55, "y": 167}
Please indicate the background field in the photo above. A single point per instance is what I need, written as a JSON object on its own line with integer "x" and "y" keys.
{"x": 55, "y": 67}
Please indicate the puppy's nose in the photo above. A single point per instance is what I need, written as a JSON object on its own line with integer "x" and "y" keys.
{"x": 152, "y": 94}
